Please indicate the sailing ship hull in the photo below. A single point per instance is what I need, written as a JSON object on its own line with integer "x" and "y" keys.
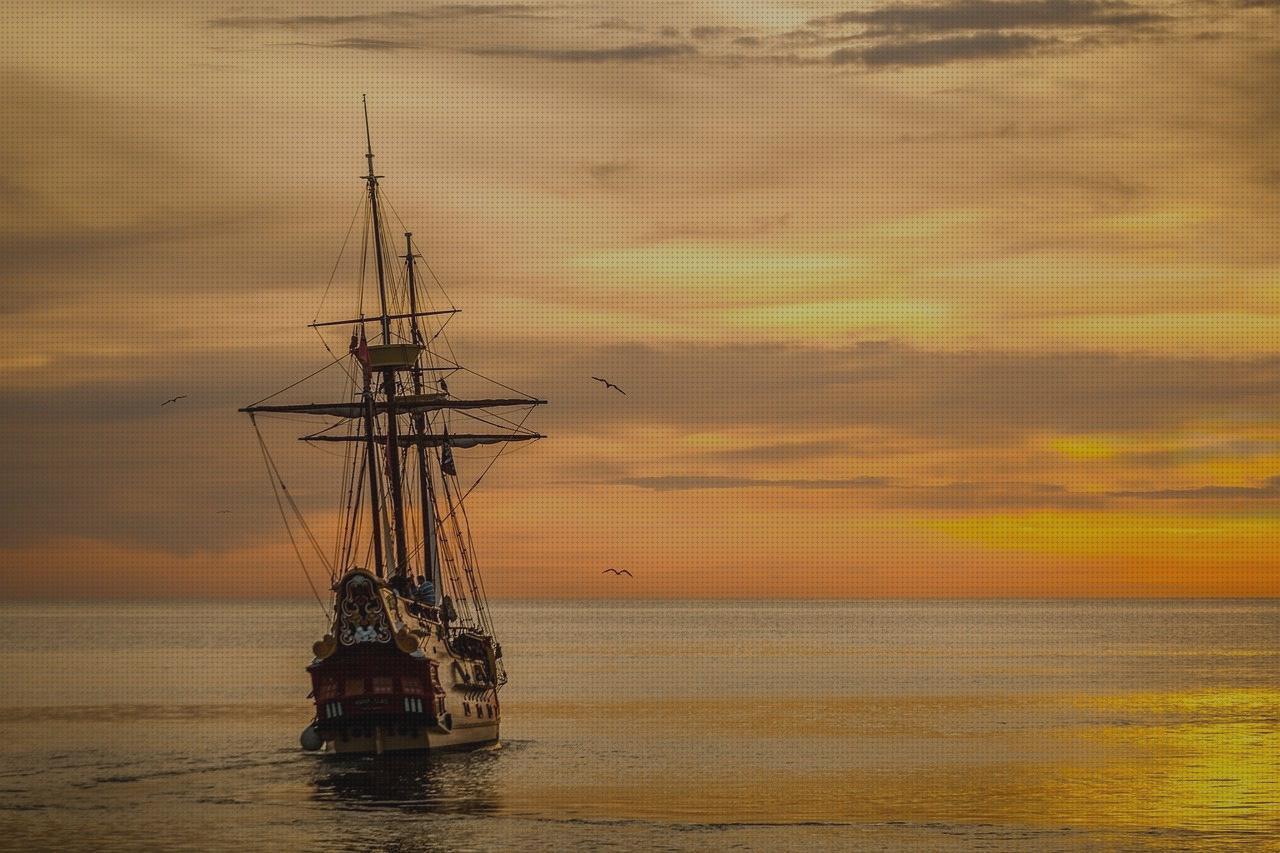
{"x": 390, "y": 678}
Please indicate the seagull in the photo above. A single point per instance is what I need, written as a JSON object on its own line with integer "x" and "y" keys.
{"x": 173, "y": 400}
{"x": 618, "y": 572}
{"x": 608, "y": 385}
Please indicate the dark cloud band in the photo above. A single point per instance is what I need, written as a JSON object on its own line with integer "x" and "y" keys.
{"x": 941, "y": 50}
{"x": 991, "y": 15}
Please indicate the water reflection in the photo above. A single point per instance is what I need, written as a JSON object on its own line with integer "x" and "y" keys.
{"x": 442, "y": 783}
{"x": 810, "y": 726}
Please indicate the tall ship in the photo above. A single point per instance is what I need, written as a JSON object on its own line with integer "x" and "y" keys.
{"x": 411, "y": 660}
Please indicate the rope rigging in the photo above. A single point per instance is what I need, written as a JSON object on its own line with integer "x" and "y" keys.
{"x": 337, "y": 261}
{"x": 271, "y": 476}
{"x": 276, "y": 479}
{"x": 435, "y": 499}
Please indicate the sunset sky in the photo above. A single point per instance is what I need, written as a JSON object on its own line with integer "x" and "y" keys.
{"x": 909, "y": 299}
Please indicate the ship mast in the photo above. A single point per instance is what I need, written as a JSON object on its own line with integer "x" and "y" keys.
{"x": 400, "y": 567}
{"x": 431, "y": 558}
{"x": 371, "y": 462}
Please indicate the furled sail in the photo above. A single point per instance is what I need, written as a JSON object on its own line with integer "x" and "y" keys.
{"x": 408, "y": 404}
{"x": 461, "y": 441}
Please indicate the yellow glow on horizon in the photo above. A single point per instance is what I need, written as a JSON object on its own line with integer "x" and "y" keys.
{"x": 1224, "y": 333}
{"x": 1090, "y": 447}
{"x": 1185, "y": 538}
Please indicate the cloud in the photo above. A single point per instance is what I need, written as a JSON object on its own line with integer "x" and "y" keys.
{"x": 394, "y": 17}
{"x": 804, "y": 38}
{"x": 104, "y": 460}
{"x": 709, "y": 33}
{"x": 1005, "y": 130}
{"x": 996, "y": 15}
{"x": 160, "y": 473}
{"x": 1237, "y": 449}
{"x": 1099, "y": 185}
{"x": 942, "y": 50}
{"x": 885, "y": 493}
{"x": 1270, "y": 489}
{"x": 692, "y": 482}
{"x": 787, "y": 451}
{"x": 85, "y": 182}
{"x": 644, "y": 52}
{"x": 620, "y": 24}
{"x": 375, "y": 45}
{"x": 603, "y": 172}
{"x": 22, "y": 251}
{"x": 970, "y": 397}
{"x": 722, "y": 43}
{"x": 988, "y": 496}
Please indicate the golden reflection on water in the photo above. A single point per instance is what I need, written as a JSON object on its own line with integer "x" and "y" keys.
{"x": 1208, "y": 760}
{"x": 1199, "y": 761}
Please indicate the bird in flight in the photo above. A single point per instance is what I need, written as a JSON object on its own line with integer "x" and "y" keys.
{"x": 173, "y": 400}
{"x": 618, "y": 572}
{"x": 608, "y": 385}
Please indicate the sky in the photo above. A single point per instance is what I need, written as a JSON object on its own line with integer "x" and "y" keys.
{"x": 954, "y": 298}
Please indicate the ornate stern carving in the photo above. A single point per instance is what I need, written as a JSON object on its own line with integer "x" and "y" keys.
{"x": 362, "y": 613}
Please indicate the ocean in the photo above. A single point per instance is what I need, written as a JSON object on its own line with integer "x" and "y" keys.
{"x": 876, "y": 725}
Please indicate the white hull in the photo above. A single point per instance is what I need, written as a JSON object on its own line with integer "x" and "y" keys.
{"x": 380, "y": 742}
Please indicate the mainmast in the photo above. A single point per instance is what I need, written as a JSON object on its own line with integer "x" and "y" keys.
{"x": 427, "y": 498}
{"x": 400, "y": 567}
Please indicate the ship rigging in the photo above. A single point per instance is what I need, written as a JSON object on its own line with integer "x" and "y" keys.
{"x": 411, "y": 660}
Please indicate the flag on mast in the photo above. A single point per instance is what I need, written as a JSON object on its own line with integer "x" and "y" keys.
{"x": 360, "y": 349}
{"x": 446, "y": 457}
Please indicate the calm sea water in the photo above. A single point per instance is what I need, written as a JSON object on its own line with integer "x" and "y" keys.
{"x": 769, "y": 726}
